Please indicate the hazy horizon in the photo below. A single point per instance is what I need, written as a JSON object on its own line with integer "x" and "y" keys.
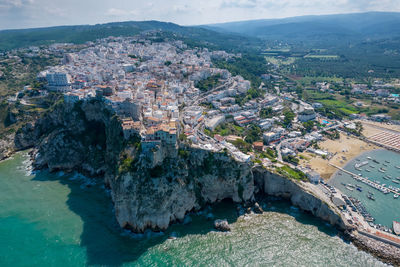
{"x": 20, "y": 14}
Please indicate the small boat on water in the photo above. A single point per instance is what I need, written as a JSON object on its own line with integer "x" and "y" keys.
{"x": 396, "y": 196}
{"x": 349, "y": 188}
{"x": 388, "y": 176}
{"x": 372, "y": 166}
{"x": 395, "y": 181}
{"x": 359, "y": 165}
{"x": 350, "y": 185}
{"x": 367, "y": 170}
{"x": 343, "y": 184}
{"x": 369, "y": 158}
{"x": 359, "y": 189}
{"x": 382, "y": 170}
{"x": 369, "y": 192}
{"x": 387, "y": 161}
{"x": 370, "y": 197}
{"x": 374, "y": 160}
{"x": 398, "y": 167}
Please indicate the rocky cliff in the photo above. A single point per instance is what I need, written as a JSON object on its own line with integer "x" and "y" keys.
{"x": 85, "y": 136}
{"x": 299, "y": 193}
{"x": 150, "y": 189}
{"x": 153, "y": 196}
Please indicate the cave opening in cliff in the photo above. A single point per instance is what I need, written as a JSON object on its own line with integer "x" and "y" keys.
{"x": 95, "y": 134}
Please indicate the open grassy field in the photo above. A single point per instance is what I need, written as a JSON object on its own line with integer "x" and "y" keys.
{"x": 280, "y": 61}
{"x": 307, "y": 80}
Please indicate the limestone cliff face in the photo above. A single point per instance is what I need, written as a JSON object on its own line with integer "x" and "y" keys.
{"x": 84, "y": 136}
{"x": 151, "y": 189}
{"x": 299, "y": 194}
{"x": 156, "y": 196}
{"x": 7, "y": 146}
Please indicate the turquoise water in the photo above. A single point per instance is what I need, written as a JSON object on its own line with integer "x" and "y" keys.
{"x": 52, "y": 220}
{"x": 385, "y": 208}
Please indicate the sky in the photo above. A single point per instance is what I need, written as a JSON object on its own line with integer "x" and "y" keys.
{"x": 16, "y": 14}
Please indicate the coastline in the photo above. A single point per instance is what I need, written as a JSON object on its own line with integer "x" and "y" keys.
{"x": 342, "y": 150}
{"x": 351, "y": 160}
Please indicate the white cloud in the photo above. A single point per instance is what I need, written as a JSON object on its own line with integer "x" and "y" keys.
{"x": 7, "y": 4}
{"x": 33, "y": 13}
{"x": 120, "y": 12}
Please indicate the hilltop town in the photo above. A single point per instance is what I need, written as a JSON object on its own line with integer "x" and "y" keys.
{"x": 172, "y": 97}
{"x": 166, "y": 93}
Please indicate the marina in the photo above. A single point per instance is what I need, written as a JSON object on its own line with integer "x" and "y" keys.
{"x": 380, "y": 191}
{"x": 366, "y": 181}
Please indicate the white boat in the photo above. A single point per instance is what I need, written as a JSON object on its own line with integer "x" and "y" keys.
{"x": 349, "y": 188}
{"x": 367, "y": 170}
{"x": 396, "y": 227}
{"x": 359, "y": 165}
{"x": 396, "y": 196}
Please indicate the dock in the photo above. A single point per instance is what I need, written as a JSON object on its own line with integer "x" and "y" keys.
{"x": 364, "y": 180}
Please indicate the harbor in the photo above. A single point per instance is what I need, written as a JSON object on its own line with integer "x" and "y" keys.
{"x": 371, "y": 179}
{"x": 380, "y": 187}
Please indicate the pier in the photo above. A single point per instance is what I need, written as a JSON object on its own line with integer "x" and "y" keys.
{"x": 365, "y": 180}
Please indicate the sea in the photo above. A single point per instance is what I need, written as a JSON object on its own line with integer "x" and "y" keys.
{"x": 385, "y": 208}
{"x": 57, "y": 219}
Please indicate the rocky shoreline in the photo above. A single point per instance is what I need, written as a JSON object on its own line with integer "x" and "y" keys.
{"x": 387, "y": 253}
{"x": 154, "y": 190}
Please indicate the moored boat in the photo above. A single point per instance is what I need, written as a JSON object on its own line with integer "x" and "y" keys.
{"x": 396, "y": 227}
{"x": 370, "y": 197}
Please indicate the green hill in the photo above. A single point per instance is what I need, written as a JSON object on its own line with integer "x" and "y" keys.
{"x": 11, "y": 39}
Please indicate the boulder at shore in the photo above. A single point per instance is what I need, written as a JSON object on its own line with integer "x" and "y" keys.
{"x": 222, "y": 225}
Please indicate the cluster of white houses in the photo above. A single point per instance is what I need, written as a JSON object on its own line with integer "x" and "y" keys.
{"x": 144, "y": 82}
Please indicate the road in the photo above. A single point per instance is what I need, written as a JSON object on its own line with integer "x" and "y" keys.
{"x": 203, "y": 96}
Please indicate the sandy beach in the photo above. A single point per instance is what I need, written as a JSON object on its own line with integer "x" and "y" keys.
{"x": 371, "y": 128}
{"x": 343, "y": 150}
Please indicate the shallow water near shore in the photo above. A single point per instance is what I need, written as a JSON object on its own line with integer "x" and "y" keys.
{"x": 66, "y": 220}
{"x": 385, "y": 208}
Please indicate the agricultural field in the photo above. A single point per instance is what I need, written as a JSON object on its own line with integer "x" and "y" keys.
{"x": 280, "y": 60}
{"x": 322, "y": 57}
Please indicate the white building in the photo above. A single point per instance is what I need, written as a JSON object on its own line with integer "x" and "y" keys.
{"x": 213, "y": 122}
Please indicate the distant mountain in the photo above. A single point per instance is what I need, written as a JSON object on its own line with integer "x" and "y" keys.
{"x": 10, "y": 39}
{"x": 372, "y": 25}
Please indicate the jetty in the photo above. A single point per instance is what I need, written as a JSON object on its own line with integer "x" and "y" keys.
{"x": 366, "y": 181}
